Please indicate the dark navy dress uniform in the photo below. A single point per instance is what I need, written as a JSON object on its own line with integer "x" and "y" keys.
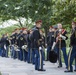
{"x": 32, "y": 48}
{"x": 7, "y": 43}
{"x": 61, "y": 45}
{"x": 13, "y": 42}
{"x": 36, "y": 36}
{"x": 29, "y": 48}
{"x": 12, "y": 45}
{"x": 21, "y": 41}
{"x": 72, "y": 52}
{"x": 50, "y": 40}
{"x": 25, "y": 52}
{"x": 2, "y": 42}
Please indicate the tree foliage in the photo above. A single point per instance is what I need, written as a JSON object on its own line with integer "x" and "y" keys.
{"x": 50, "y": 11}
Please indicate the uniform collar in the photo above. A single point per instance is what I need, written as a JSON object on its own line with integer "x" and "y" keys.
{"x": 37, "y": 27}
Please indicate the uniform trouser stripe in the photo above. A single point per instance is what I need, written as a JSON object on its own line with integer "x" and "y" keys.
{"x": 59, "y": 51}
{"x": 69, "y": 58}
{"x": 40, "y": 54}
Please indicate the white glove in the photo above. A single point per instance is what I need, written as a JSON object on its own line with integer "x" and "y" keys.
{"x": 53, "y": 45}
{"x": 63, "y": 37}
{"x": 45, "y": 49}
{"x": 60, "y": 30}
{"x": 46, "y": 45}
{"x": 40, "y": 48}
{"x": 5, "y": 47}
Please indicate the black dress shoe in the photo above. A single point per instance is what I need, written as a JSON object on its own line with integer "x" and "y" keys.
{"x": 68, "y": 71}
{"x": 33, "y": 63}
{"x": 36, "y": 69}
{"x": 59, "y": 66}
{"x": 29, "y": 62}
{"x": 41, "y": 70}
{"x": 74, "y": 70}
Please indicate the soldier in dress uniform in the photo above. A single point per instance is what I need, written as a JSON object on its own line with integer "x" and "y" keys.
{"x": 72, "y": 52}
{"x": 21, "y": 41}
{"x": 7, "y": 43}
{"x": 2, "y": 43}
{"x": 14, "y": 41}
{"x": 50, "y": 40}
{"x": 60, "y": 44}
{"x": 25, "y": 51}
{"x": 29, "y": 46}
{"x": 32, "y": 45}
{"x": 36, "y": 46}
{"x": 11, "y": 43}
{"x": 17, "y": 43}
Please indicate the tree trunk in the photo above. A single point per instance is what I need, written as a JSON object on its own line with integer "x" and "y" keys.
{"x": 20, "y": 23}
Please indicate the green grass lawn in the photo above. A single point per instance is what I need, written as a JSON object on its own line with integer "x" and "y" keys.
{"x": 0, "y": 73}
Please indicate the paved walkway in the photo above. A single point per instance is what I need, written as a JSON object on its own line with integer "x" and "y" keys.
{"x": 8, "y": 66}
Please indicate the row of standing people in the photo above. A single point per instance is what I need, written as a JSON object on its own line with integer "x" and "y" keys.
{"x": 29, "y": 46}
{"x": 25, "y": 45}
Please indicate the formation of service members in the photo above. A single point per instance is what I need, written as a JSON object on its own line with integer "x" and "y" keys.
{"x": 29, "y": 45}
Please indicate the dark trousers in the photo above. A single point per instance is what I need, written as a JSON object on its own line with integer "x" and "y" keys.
{"x": 48, "y": 50}
{"x": 7, "y": 50}
{"x": 12, "y": 51}
{"x": 14, "y": 54}
{"x": 64, "y": 55}
{"x": 3, "y": 52}
{"x": 0, "y": 52}
{"x": 25, "y": 55}
{"x": 33, "y": 56}
{"x": 36, "y": 59}
{"x": 41, "y": 59}
{"x": 21, "y": 54}
{"x": 72, "y": 57}
{"x": 29, "y": 55}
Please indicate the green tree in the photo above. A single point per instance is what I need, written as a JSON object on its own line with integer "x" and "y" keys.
{"x": 49, "y": 11}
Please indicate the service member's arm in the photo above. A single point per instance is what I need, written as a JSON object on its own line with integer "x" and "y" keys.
{"x": 64, "y": 36}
